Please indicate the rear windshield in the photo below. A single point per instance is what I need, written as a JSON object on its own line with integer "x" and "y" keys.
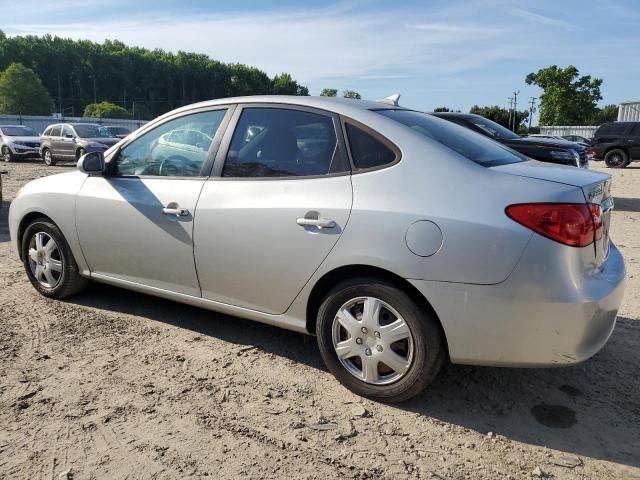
{"x": 467, "y": 143}
{"x": 18, "y": 132}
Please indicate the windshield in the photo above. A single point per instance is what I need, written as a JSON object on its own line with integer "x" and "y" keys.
{"x": 459, "y": 139}
{"x": 92, "y": 131}
{"x": 19, "y": 132}
{"x": 493, "y": 129}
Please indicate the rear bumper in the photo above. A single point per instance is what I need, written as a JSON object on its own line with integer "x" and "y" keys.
{"x": 544, "y": 314}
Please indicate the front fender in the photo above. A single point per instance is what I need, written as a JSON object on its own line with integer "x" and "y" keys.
{"x": 53, "y": 197}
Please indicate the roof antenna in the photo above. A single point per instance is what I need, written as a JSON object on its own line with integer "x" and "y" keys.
{"x": 391, "y": 100}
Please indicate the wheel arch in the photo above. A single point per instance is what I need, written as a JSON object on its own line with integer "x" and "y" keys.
{"x": 25, "y": 222}
{"x": 329, "y": 279}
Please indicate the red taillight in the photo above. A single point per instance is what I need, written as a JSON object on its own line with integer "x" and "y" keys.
{"x": 591, "y": 153}
{"x": 573, "y": 224}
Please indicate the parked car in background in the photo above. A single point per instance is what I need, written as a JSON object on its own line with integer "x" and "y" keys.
{"x": 578, "y": 139}
{"x": 617, "y": 143}
{"x": 360, "y": 222}
{"x": 548, "y": 150}
{"x": 67, "y": 141}
{"x": 18, "y": 141}
{"x": 117, "y": 131}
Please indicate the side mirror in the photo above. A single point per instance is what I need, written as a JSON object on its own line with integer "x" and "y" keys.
{"x": 91, "y": 163}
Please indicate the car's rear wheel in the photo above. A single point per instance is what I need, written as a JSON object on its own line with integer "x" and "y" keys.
{"x": 47, "y": 156}
{"x": 7, "y": 155}
{"x": 616, "y": 158}
{"x": 377, "y": 341}
{"x": 49, "y": 262}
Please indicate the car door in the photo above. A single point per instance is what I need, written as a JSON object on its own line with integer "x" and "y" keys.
{"x": 66, "y": 143}
{"x": 135, "y": 224}
{"x": 633, "y": 141}
{"x": 277, "y": 203}
{"x": 53, "y": 139}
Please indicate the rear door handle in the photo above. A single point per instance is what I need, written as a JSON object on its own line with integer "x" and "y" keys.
{"x": 178, "y": 212}
{"x": 316, "y": 222}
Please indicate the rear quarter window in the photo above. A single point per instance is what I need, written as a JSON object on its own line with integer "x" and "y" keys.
{"x": 366, "y": 150}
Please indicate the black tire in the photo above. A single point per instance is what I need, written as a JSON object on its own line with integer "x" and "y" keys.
{"x": 48, "y": 158}
{"x": 69, "y": 281}
{"x": 428, "y": 342}
{"x": 7, "y": 155}
{"x": 616, "y": 158}
{"x": 79, "y": 153}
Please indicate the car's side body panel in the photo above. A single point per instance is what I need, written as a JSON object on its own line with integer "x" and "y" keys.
{"x": 250, "y": 250}
{"x": 54, "y": 197}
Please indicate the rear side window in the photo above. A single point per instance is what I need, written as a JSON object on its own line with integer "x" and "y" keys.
{"x": 474, "y": 146}
{"x": 635, "y": 131}
{"x": 278, "y": 142}
{"x": 366, "y": 150}
{"x": 612, "y": 129}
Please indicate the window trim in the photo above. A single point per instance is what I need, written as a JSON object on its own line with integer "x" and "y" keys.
{"x": 205, "y": 169}
{"x": 339, "y": 162}
{"x": 375, "y": 134}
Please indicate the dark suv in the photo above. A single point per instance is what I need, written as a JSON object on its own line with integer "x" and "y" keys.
{"x": 543, "y": 149}
{"x": 617, "y": 143}
{"x": 66, "y": 141}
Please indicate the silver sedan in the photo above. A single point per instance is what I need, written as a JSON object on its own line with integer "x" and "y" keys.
{"x": 399, "y": 239}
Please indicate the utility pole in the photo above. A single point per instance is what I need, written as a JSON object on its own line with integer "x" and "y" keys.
{"x": 510, "y": 110}
{"x": 515, "y": 111}
{"x": 532, "y": 109}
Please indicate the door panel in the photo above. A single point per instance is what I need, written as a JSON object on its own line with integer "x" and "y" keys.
{"x": 250, "y": 250}
{"x": 67, "y": 146}
{"x": 124, "y": 233}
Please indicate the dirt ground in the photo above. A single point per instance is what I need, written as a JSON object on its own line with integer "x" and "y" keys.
{"x": 114, "y": 384}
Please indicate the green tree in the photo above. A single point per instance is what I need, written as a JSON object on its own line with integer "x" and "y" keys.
{"x": 22, "y": 92}
{"x": 105, "y": 110}
{"x": 441, "y": 109}
{"x": 351, "y": 94}
{"x": 329, "y": 92}
{"x": 500, "y": 115}
{"x": 609, "y": 113}
{"x": 567, "y": 98}
{"x": 284, "y": 84}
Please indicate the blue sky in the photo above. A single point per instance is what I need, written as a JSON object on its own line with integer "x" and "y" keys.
{"x": 454, "y": 53}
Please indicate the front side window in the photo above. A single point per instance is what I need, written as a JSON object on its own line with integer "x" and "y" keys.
{"x": 92, "y": 131}
{"x": 279, "y": 142}
{"x": 366, "y": 150}
{"x": 55, "y": 131}
{"x": 67, "y": 131}
{"x": 165, "y": 151}
{"x": 467, "y": 143}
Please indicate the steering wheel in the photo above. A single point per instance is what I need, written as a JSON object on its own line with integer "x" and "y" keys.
{"x": 174, "y": 166}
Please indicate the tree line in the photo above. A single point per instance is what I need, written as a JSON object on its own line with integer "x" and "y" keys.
{"x": 144, "y": 82}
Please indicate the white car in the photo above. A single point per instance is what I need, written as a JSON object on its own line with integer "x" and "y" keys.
{"x": 18, "y": 141}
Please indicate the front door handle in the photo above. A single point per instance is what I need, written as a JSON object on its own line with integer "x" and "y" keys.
{"x": 178, "y": 212}
{"x": 313, "y": 219}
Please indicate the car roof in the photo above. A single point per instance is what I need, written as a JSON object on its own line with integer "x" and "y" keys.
{"x": 343, "y": 106}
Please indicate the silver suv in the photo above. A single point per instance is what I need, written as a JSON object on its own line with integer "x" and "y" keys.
{"x": 18, "y": 141}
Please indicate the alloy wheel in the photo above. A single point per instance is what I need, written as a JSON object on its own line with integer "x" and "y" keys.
{"x": 45, "y": 260}
{"x": 372, "y": 341}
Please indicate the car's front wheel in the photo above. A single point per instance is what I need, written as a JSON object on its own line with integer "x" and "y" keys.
{"x": 7, "y": 156}
{"x": 49, "y": 262}
{"x": 377, "y": 341}
{"x": 47, "y": 156}
{"x": 616, "y": 158}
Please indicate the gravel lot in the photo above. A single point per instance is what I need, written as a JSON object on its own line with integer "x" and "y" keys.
{"x": 114, "y": 384}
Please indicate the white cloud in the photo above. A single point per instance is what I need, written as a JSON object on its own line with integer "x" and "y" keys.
{"x": 536, "y": 17}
